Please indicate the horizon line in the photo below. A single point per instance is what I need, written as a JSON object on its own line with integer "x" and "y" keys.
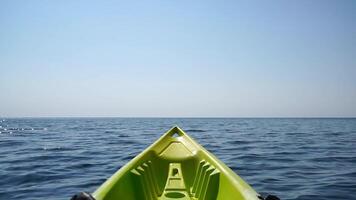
{"x": 188, "y": 117}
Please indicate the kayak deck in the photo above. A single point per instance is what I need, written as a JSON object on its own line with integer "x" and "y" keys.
{"x": 175, "y": 167}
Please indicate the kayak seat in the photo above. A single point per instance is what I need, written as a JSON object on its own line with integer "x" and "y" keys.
{"x": 175, "y": 186}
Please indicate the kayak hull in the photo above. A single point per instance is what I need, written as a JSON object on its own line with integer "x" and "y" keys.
{"x": 175, "y": 167}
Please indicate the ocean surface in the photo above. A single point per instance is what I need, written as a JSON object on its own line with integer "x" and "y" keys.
{"x": 54, "y": 158}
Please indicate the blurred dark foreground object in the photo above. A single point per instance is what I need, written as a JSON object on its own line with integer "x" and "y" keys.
{"x": 82, "y": 196}
{"x": 268, "y": 197}
{"x": 272, "y": 197}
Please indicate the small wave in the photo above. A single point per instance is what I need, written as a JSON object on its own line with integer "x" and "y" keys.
{"x": 109, "y": 131}
{"x": 35, "y": 177}
{"x": 6, "y": 132}
{"x": 58, "y": 148}
{"x": 82, "y": 166}
{"x": 195, "y": 130}
{"x": 230, "y": 130}
{"x": 127, "y": 141}
{"x": 129, "y": 157}
{"x": 17, "y": 129}
{"x": 236, "y": 142}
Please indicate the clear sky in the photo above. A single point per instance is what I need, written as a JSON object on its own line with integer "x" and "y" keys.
{"x": 178, "y": 58}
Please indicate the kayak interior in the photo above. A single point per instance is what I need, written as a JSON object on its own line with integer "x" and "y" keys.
{"x": 175, "y": 167}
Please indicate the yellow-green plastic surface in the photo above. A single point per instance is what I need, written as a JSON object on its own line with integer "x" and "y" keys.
{"x": 175, "y": 167}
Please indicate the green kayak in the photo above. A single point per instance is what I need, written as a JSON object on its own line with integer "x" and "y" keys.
{"x": 175, "y": 167}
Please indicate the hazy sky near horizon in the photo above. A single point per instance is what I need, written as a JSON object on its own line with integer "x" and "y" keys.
{"x": 178, "y": 58}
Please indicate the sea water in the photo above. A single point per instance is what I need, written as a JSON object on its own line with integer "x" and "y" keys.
{"x": 54, "y": 158}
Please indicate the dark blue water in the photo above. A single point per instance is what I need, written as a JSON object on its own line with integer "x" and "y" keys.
{"x": 292, "y": 158}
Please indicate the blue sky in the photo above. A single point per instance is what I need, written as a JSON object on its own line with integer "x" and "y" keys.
{"x": 178, "y": 58}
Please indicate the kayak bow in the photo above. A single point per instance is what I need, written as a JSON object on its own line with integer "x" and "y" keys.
{"x": 175, "y": 167}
